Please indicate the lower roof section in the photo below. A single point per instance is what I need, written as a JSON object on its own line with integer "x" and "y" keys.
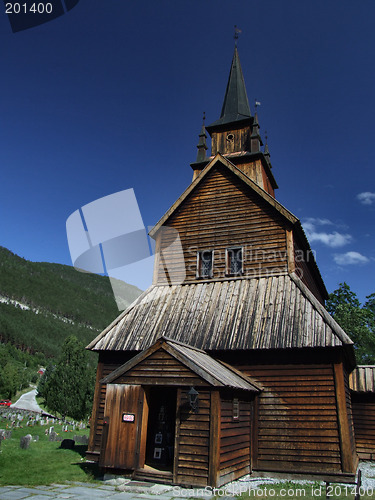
{"x": 362, "y": 379}
{"x": 276, "y": 312}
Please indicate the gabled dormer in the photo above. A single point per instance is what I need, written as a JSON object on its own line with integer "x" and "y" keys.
{"x": 236, "y": 134}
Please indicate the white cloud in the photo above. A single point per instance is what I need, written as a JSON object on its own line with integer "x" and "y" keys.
{"x": 333, "y": 239}
{"x": 350, "y": 258}
{"x": 366, "y": 198}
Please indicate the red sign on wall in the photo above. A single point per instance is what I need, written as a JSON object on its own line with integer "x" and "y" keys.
{"x": 128, "y": 417}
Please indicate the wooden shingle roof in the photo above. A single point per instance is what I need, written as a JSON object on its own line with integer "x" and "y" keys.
{"x": 215, "y": 373}
{"x": 362, "y": 379}
{"x": 276, "y": 312}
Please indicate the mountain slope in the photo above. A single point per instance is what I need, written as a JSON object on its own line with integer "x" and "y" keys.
{"x": 42, "y": 303}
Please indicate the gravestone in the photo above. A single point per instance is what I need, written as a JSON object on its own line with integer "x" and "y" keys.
{"x": 25, "y": 441}
{"x": 8, "y": 434}
{"x": 36, "y": 438}
{"x": 67, "y": 444}
{"x": 52, "y": 436}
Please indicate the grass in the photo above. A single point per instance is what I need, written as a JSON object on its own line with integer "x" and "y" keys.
{"x": 44, "y": 462}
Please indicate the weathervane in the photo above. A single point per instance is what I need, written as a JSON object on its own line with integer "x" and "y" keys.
{"x": 237, "y": 31}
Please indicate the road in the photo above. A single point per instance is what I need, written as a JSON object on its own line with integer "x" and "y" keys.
{"x": 28, "y": 402}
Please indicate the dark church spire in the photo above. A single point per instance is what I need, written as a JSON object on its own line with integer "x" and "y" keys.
{"x": 236, "y": 104}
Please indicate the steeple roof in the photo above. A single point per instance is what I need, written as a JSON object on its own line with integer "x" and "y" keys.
{"x": 236, "y": 104}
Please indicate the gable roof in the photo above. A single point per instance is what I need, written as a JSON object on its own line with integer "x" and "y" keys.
{"x": 284, "y": 212}
{"x": 277, "y": 312}
{"x": 220, "y": 159}
{"x": 215, "y": 373}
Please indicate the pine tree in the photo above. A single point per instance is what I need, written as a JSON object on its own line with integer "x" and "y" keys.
{"x": 68, "y": 389}
{"x": 357, "y": 321}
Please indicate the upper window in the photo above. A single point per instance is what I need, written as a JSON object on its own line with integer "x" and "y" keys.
{"x": 205, "y": 264}
{"x": 234, "y": 261}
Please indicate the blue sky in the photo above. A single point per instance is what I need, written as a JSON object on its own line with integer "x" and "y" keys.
{"x": 110, "y": 96}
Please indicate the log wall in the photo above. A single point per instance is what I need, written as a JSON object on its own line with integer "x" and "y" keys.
{"x": 191, "y": 465}
{"x": 222, "y": 213}
{"x": 297, "y": 428}
{"x": 363, "y": 406}
{"x": 235, "y": 439}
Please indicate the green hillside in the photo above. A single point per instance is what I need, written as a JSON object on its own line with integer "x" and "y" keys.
{"x": 42, "y": 303}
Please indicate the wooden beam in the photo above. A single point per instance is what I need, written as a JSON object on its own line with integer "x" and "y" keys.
{"x": 142, "y": 437}
{"x": 95, "y": 408}
{"x": 290, "y": 251}
{"x": 177, "y": 436}
{"x": 254, "y": 433}
{"x": 214, "y": 451}
{"x": 343, "y": 419}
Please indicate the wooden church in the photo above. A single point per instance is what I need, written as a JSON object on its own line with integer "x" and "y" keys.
{"x": 229, "y": 363}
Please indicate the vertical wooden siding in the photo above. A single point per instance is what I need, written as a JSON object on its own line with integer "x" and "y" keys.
{"x": 219, "y": 214}
{"x": 235, "y": 439}
{"x": 193, "y": 429}
{"x": 121, "y": 447}
{"x": 364, "y": 425}
{"x": 97, "y": 417}
{"x": 297, "y": 420}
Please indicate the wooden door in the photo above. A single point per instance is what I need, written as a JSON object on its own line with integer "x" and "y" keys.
{"x": 125, "y": 410}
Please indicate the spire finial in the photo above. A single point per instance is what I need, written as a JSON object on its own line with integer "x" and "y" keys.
{"x": 204, "y": 118}
{"x": 237, "y": 31}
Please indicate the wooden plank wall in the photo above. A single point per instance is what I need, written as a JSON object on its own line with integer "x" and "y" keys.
{"x": 363, "y": 407}
{"x": 120, "y": 451}
{"x": 193, "y": 430}
{"x": 241, "y": 142}
{"x": 222, "y": 213}
{"x": 297, "y": 420}
{"x": 105, "y": 367}
{"x": 235, "y": 439}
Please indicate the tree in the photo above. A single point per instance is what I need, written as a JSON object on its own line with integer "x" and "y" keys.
{"x": 357, "y": 321}
{"x": 68, "y": 388}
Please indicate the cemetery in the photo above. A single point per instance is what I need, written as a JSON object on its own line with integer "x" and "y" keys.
{"x": 37, "y": 443}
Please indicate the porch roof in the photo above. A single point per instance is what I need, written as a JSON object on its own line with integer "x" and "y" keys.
{"x": 214, "y": 372}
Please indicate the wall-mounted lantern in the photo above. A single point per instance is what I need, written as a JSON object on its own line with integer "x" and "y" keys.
{"x": 193, "y": 399}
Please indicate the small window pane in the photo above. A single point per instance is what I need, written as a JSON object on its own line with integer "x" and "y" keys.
{"x": 234, "y": 261}
{"x": 205, "y": 263}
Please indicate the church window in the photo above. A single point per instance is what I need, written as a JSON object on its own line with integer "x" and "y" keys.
{"x": 234, "y": 261}
{"x": 205, "y": 264}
